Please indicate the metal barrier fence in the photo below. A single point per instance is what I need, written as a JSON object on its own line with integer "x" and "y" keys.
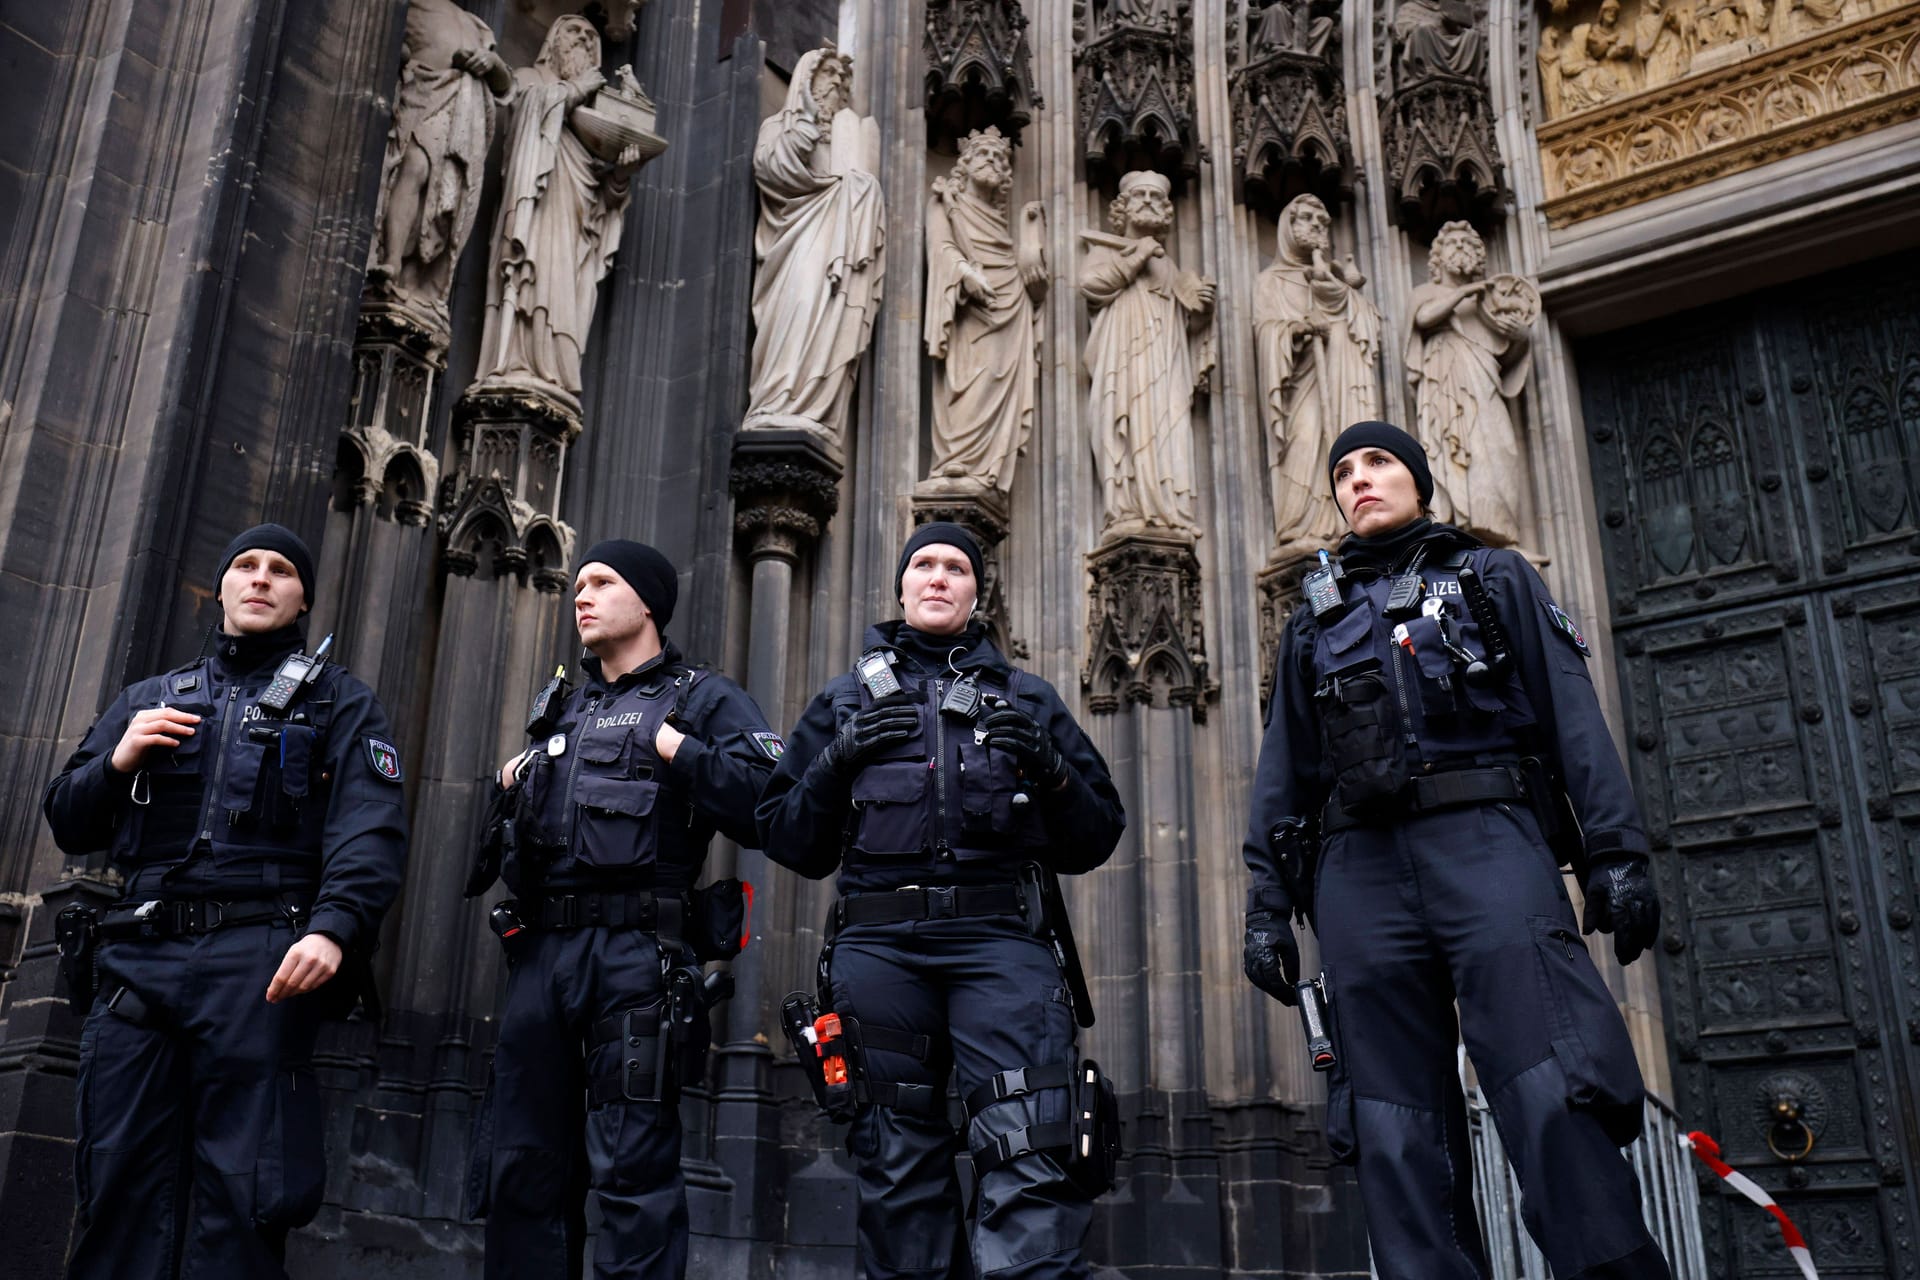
{"x": 1669, "y": 1196}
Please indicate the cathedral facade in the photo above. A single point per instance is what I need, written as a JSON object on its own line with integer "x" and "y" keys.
{"x": 1100, "y": 279}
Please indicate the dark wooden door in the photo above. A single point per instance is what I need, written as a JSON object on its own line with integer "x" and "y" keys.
{"x": 1757, "y": 465}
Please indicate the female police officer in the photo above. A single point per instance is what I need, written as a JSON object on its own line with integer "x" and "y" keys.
{"x": 1430, "y": 705}
{"x": 928, "y": 777}
{"x": 257, "y": 821}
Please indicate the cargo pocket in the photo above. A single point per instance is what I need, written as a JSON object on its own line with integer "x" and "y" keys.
{"x": 1589, "y": 1038}
{"x": 891, "y": 801}
{"x": 290, "y": 1174}
{"x": 1343, "y": 1139}
{"x": 1362, "y": 727}
{"x": 614, "y": 816}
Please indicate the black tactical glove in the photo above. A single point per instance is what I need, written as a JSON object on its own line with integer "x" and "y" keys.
{"x": 868, "y": 732}
{"x": 1270, "y": 955}
{"x": 1621, "y": 901}
{"x": 1014, "y": 730}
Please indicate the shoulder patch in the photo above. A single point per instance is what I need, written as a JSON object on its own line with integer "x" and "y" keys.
{"x": 384, "y": 759}
{"x": 772, "y": 744}
{"x": 1564, "y": 625}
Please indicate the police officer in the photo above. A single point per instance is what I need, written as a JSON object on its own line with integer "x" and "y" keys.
{"x": 1430, "y": 704}
{"x": 261, "y": 845}
{"x": 610, "y": 812}
{"x": 928, "y": 800}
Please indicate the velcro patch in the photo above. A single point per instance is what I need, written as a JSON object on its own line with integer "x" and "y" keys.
{"x": 772, "y": 744}
{"x": 384, "y": 758}
{"x": 1564, "y": 625}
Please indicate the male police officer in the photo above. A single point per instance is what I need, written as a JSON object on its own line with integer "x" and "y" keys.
{"x": 261, "y": 835}
{"x": 1430, "y": 705}
{"x": 611, "y": 810}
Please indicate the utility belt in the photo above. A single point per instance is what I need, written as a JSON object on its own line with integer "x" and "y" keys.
{"x": 928, "y": 902}
{"x": 79, "y": 930}
{"x": 714, "y": 921}
{"x": 1431, "y": 792}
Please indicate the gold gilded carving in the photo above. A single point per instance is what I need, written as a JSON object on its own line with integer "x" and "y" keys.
{"x": 1854, "y": 73}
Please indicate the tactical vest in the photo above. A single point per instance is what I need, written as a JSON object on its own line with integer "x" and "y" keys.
{"x": 246, "y": 786}
{"x": 594, "y": 805}
{"x": 1390, "y": 709}
{"x": 944, "y": 797}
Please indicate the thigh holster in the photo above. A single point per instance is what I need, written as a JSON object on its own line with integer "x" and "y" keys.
{"x": 832, "y": 1049}
{"x": 1087, "y": 1143}
{"x": 640, "y": 1073}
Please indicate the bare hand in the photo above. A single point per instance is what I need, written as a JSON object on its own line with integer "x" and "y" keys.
{"x": 588, "y": 83}
{"x": 157, "y": 728}
{"x": 510, "y": 771}
{"x": 308, "y": 963}
{"x": 974, "y": 284}
{"x": 667, "y": 741}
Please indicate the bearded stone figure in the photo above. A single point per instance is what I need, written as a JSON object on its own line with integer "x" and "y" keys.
{"x": 1468, "y": 358}
{"x": 1146, "y": 311}
{"x": 984, "y": 282}
{"x": 450, "y": 80}
{"x": 562, "y": 208}
{"x": 821, "y": 250}
{"x": 1317, "y": 340}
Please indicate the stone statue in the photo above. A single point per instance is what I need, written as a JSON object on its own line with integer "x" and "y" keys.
{"x": 1804, "y": 17}
{"x": 1594, "y": 63}
{"x": 450, "y": 80}
{"x": 820, "y": 248}
{"x": 1437, "y": 38}
{"x": 1549, "y": 57}
{"x": 1726, "y": 31}
{"x": 1317, "y": 340}
{"x": 1141, "y": 359}
{"x": 984, "y": 282}
{"x": 1660, "y": 42}
{"x": 1468, "y": 356}
{"x": 1291, "y": 26}
{"x": 562, "y": 208}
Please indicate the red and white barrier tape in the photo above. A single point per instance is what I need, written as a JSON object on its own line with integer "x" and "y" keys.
{"x": 1708, "y": 1152}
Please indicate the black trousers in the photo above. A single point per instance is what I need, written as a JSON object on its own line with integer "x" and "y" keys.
{"x": 1467, "y": 905}
{"x": 548, "y": 1148}
{"x": 200, "y": 1141}
{"x": 989, "y": 998}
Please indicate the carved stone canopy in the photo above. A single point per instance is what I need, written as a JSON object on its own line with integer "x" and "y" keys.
{"x": 979, "y": 70}
{"x": 1290, "y": 130}
{"x": 1135, "y": 89}
{"x": 1146, "y": 642}
{"x": 1443, "y": 163}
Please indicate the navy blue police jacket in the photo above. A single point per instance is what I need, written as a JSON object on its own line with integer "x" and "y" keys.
{"x": 1545, "y": 707}
{"x": 944, "y": 807}
{"x": 250, "y": 803}
{"x": 599, "y": 809}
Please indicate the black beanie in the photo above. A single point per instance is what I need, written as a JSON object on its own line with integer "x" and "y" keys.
{"x": 943, "y": 532}
{"x": 650, "y": 574}
{"x": 270, "y": 537}
{"x": 1384, "y": 435}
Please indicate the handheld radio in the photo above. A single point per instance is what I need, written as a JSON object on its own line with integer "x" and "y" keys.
{"x": 296, "y": 674}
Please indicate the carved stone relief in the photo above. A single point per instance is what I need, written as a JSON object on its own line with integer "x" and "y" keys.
{"x": 1289, "y": 107}
{"x": 1145, "y": 641}
{"x": 1669, "y": 95}
{"x": 1317, "y": 345}
{"x": 979, "y": 69}
{"x": 1468, "y": 355}
{"x": 451, "y": 79}
{"x": 1134, "y": 83}
{"x": 1436, "y": 120}
{"x": 820, "y": 248}
{"x": 572, "y": 143}
{"x": 1147, "y": 354}
{"x": 986, "y": 275}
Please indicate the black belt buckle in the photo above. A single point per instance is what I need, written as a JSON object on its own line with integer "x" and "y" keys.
{"x": 146, "y": 918}
{"x": 942, "y": 903}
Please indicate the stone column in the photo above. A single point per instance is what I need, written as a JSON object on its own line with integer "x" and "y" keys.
{"x": 785, "y": 484}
